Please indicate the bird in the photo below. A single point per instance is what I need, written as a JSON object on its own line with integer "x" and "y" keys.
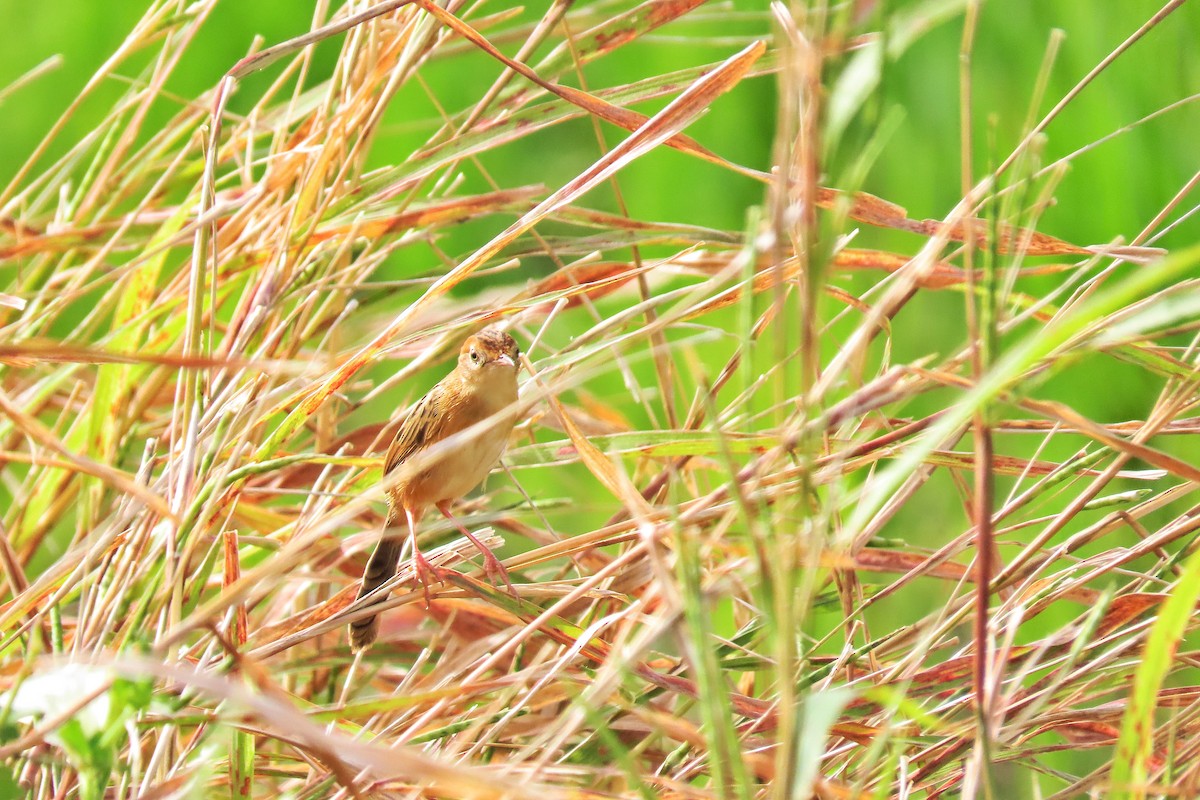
{"x": 480, "y": 391}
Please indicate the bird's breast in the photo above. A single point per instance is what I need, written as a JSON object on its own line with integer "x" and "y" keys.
{"x": 465, "y": 461}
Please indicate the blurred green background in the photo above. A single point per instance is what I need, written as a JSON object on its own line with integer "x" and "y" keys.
{"x": 1109, "y": 193}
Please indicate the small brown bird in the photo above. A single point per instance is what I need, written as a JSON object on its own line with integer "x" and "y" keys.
{"x": 483, "y": 387}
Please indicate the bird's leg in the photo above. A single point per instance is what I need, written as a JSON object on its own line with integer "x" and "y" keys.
{"x": 426, "y": 572}
{"x": 491, "y": 564}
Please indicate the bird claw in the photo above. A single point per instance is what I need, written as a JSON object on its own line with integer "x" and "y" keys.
{"x": 426, "y": 572}
{"x": 492, "y": 567}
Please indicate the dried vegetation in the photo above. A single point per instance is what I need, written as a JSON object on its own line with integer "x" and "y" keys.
{"x": 727, "y": 587}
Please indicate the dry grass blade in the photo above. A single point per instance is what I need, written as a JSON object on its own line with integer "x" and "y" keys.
{"x": 808, "y": 496}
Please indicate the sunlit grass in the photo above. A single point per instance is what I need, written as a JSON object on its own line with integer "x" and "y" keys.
{"x": 744, "y": 518}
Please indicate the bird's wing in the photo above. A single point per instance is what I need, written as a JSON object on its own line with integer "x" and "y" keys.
{"x": 421, "y": 427}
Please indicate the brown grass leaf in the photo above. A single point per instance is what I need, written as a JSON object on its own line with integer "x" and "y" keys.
{"x": 449, "y": 211}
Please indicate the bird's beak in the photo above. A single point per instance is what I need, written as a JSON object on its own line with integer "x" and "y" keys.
{"x": 505, "y": 359}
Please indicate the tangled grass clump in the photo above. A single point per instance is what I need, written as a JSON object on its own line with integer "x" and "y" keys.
{"x": 777, "y": 530}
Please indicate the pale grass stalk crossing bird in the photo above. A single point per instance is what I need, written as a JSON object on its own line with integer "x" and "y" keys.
{"x": 483, "y": 387}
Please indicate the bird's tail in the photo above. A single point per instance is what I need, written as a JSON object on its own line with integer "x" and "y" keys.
{"x": 380, "y": 568}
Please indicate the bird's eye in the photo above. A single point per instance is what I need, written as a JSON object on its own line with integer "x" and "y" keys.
{"x": 474, "y": 355}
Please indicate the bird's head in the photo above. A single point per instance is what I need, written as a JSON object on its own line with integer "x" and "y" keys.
{"x": 489, "y": 350}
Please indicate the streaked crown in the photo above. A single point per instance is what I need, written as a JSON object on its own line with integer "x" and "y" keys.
{"x": 490, "y": 346}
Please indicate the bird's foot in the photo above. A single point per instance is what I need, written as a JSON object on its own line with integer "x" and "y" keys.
{"x": 426, "y": 572}
{"x": 492, "y": 567}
